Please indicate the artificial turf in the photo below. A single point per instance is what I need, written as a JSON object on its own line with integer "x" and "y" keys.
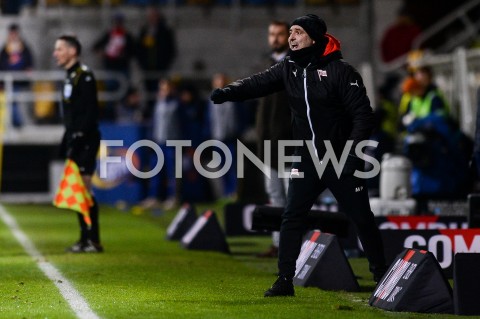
{"x": 143, "y": 275}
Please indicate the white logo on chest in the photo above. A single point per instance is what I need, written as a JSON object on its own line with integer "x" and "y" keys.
{"x": 67, "y": 90}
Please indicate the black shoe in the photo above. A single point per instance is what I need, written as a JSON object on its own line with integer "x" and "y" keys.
{"x": 88, "y": 247}
{"x": 282, "y": 287}
{"x": 75, "y": 248}
{"x": 92, "y": 247}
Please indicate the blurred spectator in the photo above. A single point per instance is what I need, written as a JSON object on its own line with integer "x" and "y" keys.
{"x": 438, "y": 149}
{"x": 274, "y": 123}
{"x": 194, "y": 116}
{"x": 130, "y": 108}
{"x": 398, "y": 38}
{"x": 166, "y": 126}
{"x": 116, "y": 46}
{"x": 426, "y": 99}
{"x": 156, "y": 50}
{"x": 407, "y": 87}
{"x": 225, "y": 126}
{"x": 385, "y": 131}
{"x": 16, "y": 56}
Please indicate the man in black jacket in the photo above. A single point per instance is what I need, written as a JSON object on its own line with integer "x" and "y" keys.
{"x": 330, "y": 106}
{"x": 274, "y": 123}
{"x": 82, "y": 137}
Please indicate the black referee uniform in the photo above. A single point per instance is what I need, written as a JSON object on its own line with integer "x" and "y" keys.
{"x": 82, "y": 138}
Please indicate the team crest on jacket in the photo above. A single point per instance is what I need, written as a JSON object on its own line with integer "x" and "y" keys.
{"x": 322, "y": 73}
{"x": 67, "y": 90}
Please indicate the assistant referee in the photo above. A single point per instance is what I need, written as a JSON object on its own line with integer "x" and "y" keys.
{"x": 82, "y": 138}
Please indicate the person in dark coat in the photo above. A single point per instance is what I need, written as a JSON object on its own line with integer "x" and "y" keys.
{"x": 331, "y": 112}
{"x": 116, "y": 46}
{"x": 274, "y": 123}
{"x": 155, "y": 51}
{"x": 16, "y": 56}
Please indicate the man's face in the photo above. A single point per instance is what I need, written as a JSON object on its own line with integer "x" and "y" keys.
{"x": 219, "y": 80}
{"x": 277, "y": 37}
{"x": 164, "y": 88}
{"x": 64, "y": 54}
{"x": 299, "y": 39}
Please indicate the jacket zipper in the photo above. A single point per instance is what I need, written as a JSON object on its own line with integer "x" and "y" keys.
{"x": 308, "y": 109}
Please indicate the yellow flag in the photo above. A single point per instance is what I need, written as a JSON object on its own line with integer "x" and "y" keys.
{"x": 72, "y": 193}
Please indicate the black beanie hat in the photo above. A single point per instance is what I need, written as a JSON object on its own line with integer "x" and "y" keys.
{"x": 313, "y": 25}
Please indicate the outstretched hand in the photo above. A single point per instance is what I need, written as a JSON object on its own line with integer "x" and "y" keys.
{"x": 218, "y": 96}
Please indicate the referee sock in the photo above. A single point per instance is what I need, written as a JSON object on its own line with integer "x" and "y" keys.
{"x": 94, "y": 233}
{"x": 83, "y": 229}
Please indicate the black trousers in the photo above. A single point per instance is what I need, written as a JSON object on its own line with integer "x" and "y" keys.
{"x": 352, "y": 197}
{"x": 93, "y": 233}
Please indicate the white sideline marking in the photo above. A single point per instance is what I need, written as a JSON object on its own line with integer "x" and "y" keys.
{"x": 68, "y": 292}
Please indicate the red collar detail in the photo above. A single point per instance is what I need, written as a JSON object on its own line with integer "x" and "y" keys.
{"x": 332, "y": 45}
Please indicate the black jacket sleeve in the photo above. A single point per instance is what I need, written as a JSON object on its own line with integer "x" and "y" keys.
{"x": 258, "y": 85}
{"x": 354, "y": 97}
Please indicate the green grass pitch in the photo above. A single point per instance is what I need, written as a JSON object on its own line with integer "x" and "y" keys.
{"x": 143, "y": 275}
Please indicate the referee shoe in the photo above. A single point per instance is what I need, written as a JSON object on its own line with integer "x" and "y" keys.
{"x": 85, "y": 247}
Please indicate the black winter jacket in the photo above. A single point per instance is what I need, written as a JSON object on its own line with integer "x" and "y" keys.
{"x": 327, "y": 98}
{"x": 79, "y": 99}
